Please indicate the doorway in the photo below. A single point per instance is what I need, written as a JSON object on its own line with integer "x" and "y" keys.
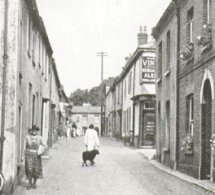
{"x": 206, "y": 111}
{"x": 148, "y": 129}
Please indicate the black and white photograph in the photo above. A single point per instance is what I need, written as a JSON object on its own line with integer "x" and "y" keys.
{"x": 107, "y": 97}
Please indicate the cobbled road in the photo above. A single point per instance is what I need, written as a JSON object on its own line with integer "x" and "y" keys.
{"x": 119, "y": 170}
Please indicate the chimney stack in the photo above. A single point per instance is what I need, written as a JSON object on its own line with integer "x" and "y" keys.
{"x": 142, "y": 36}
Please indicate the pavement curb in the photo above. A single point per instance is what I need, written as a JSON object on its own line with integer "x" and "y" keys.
{"x": 200, "y": 183}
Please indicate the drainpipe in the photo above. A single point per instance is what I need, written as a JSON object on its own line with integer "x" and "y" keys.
{"x": 177, "y": 7}
{"x": 133, "y": 132}
{"x": 5, "y": 58}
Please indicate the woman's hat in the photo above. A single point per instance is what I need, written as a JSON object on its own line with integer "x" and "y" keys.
{"x": 34, "y": 127}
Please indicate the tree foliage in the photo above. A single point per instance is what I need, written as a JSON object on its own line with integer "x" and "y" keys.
{"x": 92, "y": 96}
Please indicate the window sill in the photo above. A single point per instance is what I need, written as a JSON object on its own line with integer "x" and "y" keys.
{"x": 158, "y": 81}
{"x": 188, "y": 153}
{"x": 29, "y": 54}
{"x": 165, "y": 150}
{"x": 206, "y": 48}
{"x": 167, "y": 73}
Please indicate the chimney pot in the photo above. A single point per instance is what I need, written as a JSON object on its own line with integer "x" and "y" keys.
{"x": 142, "y": 36}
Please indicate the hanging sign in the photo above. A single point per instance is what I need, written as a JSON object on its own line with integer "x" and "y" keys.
{"x": 148, "y": 70}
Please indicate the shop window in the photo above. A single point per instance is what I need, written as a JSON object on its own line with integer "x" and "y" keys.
{"x": 149, "y": 105}
{"x": 190, "y": 22}
{"x": 190, "y": 113}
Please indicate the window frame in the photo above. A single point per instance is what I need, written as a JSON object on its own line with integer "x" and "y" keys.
{"x": 190, "y": 114}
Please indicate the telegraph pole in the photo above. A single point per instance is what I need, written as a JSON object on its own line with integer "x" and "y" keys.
{"x": 102, "y": 55}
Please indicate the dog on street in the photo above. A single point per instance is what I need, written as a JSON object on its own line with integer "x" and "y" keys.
{"x": 89, "y": 156}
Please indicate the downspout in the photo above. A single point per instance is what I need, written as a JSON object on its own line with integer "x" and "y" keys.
{"x": 133, "y": 132}
{"x": 5, "y": 58}
{"x": 177, "y": 6}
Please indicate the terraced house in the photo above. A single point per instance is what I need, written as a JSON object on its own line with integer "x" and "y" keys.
{"x": 132, "y": 97}
{"x": 29, "y": 91}
{"x": 190, "y": 25}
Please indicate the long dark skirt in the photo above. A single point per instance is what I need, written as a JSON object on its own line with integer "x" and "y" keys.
{"x": 33, "y": 165}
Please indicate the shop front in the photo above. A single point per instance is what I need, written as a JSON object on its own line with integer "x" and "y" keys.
{"x": 147, "y": 126}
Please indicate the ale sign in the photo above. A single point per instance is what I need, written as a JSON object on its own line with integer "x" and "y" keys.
{"x": 147, "y": 70}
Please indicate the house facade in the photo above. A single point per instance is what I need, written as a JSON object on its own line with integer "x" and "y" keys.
{"x": 26, "y": 92}
{"x": 194, "y": 136}
{"x": 85, "y": 115}
{"x": 132, "y": 97}
{"x": 165, "y": 34}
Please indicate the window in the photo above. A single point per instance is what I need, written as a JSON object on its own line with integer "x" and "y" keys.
{"x": 29, "y": 35}
{"x": 125, "y": 88}
{"x": 85, "y": 118}
{"x": 96, "y": 118}
{"x": 129, "y": 82}
{"x": 21, "y": 148}
{"x": 29, "y": 104}
{"x": 168, "y": 52}
{"x": 167, "y": 132}
{"x": 190, "y": 113}
{"x": 160, "y": 60}
{"x": 190, "y": 23}
{"x": 207, "y": 11}
{"x": 34, "y": 34}
{"x": 33, "y": 110}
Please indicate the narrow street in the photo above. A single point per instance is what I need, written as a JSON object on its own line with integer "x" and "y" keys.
{"x": 118, "y": 170}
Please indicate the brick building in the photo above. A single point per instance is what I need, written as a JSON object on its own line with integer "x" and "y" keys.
{"x": 195, "y": 74}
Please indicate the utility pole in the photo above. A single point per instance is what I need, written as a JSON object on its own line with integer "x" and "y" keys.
{"x": 102, "y": 55}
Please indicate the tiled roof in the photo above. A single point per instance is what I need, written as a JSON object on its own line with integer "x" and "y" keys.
{"x": 86, "y": 109}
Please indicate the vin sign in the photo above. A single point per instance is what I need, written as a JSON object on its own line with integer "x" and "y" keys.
{"x": 148, "y": 70}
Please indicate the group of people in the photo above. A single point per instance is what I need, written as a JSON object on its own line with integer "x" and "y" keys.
{"x": 72, "y": 130}
{"x": 35, "y": 147}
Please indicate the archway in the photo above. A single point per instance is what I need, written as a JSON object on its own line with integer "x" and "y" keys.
{"x": 206, "y": 113}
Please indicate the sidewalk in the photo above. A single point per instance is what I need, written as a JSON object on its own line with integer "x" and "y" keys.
{"x": 205, "y": 184}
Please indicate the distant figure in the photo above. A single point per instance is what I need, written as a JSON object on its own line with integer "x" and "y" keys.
{"x": 91, "y": 139}
{"x": 74, "y": 130}
{"x": 68, "y": 130}
{"x": 97, "y": 130}
{"x": 60, "y": 130}
{"x": 34, "y": 148}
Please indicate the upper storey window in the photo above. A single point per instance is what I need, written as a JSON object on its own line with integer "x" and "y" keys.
{"x": 168, "y": 52}
{"x": 190, "y": 22}
{"x": 160, "y": 56}
{"x": 207, "y": 11}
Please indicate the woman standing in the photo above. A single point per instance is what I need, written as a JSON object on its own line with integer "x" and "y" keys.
{"x": 34, "y": 147}
{"x": 91, "y": 139}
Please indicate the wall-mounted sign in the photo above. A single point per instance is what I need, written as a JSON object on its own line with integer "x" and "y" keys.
{"x": 147, "y": 70}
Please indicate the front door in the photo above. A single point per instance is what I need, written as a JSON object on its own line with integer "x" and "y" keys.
{"x": 206, "y": 131}
{"x": 148, "y": 130}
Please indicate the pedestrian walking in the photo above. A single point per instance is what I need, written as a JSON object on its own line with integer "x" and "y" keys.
{"x": 91, "y": 139}
{"x": 34, "y": 148}
{"x": 68, "y": 130}
{"x": 74, "y": 130}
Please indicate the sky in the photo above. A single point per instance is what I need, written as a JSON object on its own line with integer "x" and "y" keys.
{"x": 79, "y": 29}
